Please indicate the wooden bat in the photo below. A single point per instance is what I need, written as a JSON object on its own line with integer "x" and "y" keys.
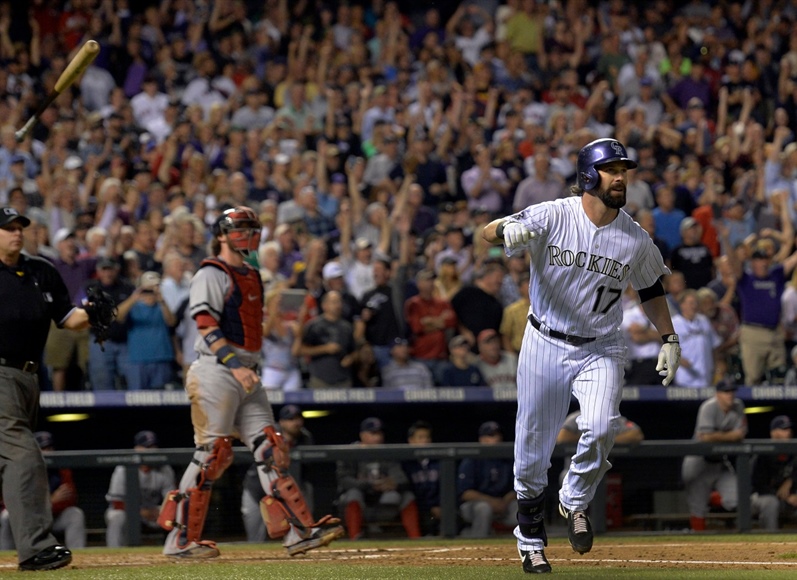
{"x": 85, "y": 56}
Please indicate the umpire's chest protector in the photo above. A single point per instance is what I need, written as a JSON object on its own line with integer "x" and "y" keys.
{"x": 242, "y": 317}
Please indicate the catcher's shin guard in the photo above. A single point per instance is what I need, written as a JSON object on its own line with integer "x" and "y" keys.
{"x": 167, "y": 518}
{"x": 188, "y": 509}
{"x": 530, "y": 518}
{"x": 286, "y": 506}
{"x": 275, "y": 516}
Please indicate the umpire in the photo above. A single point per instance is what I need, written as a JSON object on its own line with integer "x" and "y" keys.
{"x": 32, "y": 293}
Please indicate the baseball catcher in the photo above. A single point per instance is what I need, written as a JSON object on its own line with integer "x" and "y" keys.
{"x": 102, "y": 312}
{"x": 228, "y": 400}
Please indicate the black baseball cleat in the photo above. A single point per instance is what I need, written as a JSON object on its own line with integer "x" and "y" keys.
{"x": 579, "y": 530}
{"x": 48, "y": 559}
{"x": 534, "y": 562}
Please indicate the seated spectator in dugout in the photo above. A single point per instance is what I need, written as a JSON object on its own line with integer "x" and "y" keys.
{"x": 373, "y": 491}
{"x": 154, "y": 483}
{"x": 460, "y": 371}
{"x": 498, "y": 368}
{"x": 69, "y": 521}
{"x": 720, "y": 419}
{"x": 291, "y": 425}
{"x": 774, "y": 489}
{"x": 404, "y": 373}
{"x": 485, "y": 488}
{"x": 424, "y": 476}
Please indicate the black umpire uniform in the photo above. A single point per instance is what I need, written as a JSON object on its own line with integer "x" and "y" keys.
{"x": 32, "y": 293}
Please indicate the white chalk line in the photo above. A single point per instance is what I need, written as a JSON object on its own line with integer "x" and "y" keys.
{"x": 645, "y": 561}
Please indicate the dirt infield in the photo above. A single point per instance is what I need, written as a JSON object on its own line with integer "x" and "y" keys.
{"x": 609, "y": 553}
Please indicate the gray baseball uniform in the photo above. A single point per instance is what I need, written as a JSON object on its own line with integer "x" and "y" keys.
{"x": 154, "y": 483}
{"x": 703, "y": 474}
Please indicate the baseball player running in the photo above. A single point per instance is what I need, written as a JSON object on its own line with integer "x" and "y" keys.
{"x": 227, "y": 399}
{"x": 584, "y": 250}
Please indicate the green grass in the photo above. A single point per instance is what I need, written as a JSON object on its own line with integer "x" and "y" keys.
{"x": 371, "y": 560}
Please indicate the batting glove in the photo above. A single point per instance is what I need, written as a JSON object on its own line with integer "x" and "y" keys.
{"x": 516, "y": 235}
{"x": 669, "y": 358}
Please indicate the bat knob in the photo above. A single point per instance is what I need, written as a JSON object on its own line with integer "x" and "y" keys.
{"x": 20, "y": 135}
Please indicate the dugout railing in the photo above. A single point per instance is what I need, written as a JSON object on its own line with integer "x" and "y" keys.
{"x": 448, "y": 454}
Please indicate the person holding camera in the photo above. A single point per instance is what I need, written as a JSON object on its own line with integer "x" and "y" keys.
{"x": 282, "y": 339}
{"x": 150, "y": 353}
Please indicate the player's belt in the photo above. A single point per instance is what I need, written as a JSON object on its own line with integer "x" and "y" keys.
{"x": 568, "y": 338}
{"x": 27, "y": 366}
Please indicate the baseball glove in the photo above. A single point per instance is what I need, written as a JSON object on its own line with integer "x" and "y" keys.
{"x": 102, "y": 312}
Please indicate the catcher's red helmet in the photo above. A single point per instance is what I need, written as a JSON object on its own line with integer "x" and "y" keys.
{"x": 242, "y": 228}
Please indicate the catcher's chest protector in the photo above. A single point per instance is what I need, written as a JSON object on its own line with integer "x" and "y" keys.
{"x": 242, "y": 317}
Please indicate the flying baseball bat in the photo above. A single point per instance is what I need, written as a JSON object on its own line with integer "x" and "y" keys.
{"x": 85, "y": 56}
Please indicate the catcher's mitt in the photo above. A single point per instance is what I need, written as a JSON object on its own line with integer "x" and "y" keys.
{"x": 102, "y": 312}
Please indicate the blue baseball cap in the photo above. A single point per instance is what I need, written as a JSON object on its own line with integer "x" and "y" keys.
{"x": 780, "y": 422}
{"x": 290, "y": 412}
{"x": 490, "y": 428}
{"x": 372, "y": 425}
{"x": 145, "y": 439}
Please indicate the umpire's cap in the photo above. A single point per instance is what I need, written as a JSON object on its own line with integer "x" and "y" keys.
{"x": 780, "y": 422}
{"x": 43, "y": 438}
{"x": 9, "y": 214}
{"x": 597, "y": 153}
{"x": 725, "y": 387}
{"x": 145, "y": 439}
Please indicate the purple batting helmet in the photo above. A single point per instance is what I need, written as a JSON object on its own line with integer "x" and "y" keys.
{"x": 593, "y": 155}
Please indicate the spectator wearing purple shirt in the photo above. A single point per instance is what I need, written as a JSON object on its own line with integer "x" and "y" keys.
{"x": 689, "y": 87}
{"x": 761, "y": 336}
{"x": 290, "y": 254}
{"x": 62, "y": 345}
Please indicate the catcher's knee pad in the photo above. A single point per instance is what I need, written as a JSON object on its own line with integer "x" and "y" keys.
{"x": 271, "y": 450}
{"x": 217, "y": 462}
{"x": 531, "y": 518}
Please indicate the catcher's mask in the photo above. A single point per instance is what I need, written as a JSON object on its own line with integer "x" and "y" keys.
{"x": 242, "y": 228}
{"x": 593, "y": 155}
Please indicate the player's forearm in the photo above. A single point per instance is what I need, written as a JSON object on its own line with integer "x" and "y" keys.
{"x": 629, "y": 437}
{"x": 313, "y": 351}
{"x": 566, "y": 436}
{"x": 490, "y": 235}
{"x": 473, "y": 495}
{"x": 77, "y": 320}
{"x": 722, "y": 436}
{"x": 658, "y": 313}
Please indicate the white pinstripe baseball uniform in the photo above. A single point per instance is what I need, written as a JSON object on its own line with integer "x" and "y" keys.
{"x": 578, "y": 273}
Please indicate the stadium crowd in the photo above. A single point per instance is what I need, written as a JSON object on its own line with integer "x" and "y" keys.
{"x": 374, "y": 140}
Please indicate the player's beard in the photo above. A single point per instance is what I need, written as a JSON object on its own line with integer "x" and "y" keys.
{"x": 614, "y": 197}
